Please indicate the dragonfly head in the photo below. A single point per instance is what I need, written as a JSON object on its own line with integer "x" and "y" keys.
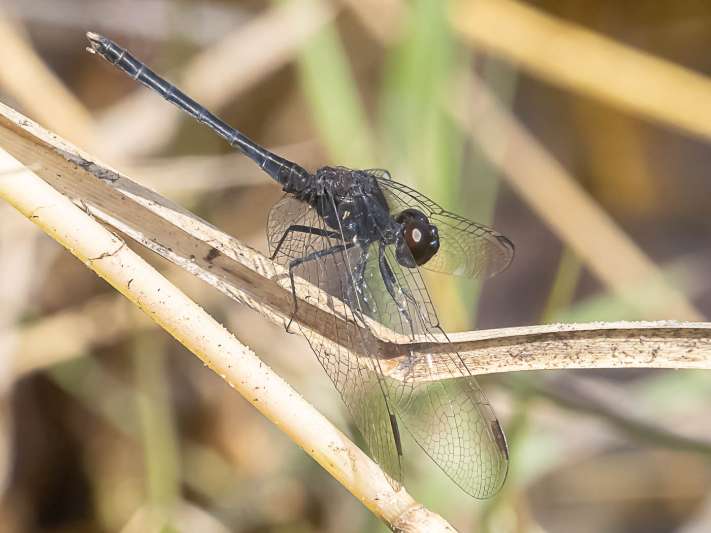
{"x": 417, "y": 241}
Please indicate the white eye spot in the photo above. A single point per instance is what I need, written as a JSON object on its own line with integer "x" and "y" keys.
{"x": 416, "y": 235}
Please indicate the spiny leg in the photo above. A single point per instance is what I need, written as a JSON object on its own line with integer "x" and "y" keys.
{"x": 355, "y": 287}
{"x": 397, "y": 292}
{"x": 305, "y": 229}
{"x": 311, "y": 257}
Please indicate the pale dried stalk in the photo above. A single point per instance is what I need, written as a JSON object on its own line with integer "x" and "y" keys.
{"x": 565, "y": 207}
{"x": 251, "y": 278}
{"x": 576, "y": 58}
{"x": 556, "y": 197}
{"x": 110, "y": 258}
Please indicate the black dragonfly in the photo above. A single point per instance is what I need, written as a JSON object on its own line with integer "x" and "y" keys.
{"x": 359, "y": 238}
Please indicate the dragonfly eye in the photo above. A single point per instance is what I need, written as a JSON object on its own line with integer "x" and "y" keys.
{"x": 418, "y": 240}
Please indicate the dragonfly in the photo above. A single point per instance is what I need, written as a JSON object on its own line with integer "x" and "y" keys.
{"x": 360, "y": 238}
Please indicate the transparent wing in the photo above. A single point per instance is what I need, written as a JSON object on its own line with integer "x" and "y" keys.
{"x": 359, "y": 380}
{"x": 466, "y": 248}
{"x": 451, "y": 420}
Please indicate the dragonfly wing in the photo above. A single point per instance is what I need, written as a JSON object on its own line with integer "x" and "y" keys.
{"x": 359, "y": 380}
{"x": 451, "y": 420}
{"x": 467, "y": 248}
{"x": 454, "y": 424}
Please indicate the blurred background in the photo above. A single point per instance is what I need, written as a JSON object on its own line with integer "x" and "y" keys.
{"x": 579, "y": 129}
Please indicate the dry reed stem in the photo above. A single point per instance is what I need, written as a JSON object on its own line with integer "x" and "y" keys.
{"x": 567, "y": 209}
{"x": 108, "y": 256}
{"x": 571, "y": 213}
{"x": 249, "y": 277}
{"x": 579, "y": 59}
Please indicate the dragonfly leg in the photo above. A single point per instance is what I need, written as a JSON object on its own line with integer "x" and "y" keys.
{"x": 319, "y": 254}
{"x": 305, "y": 229}
{"x": 397, "y": 292}
{"x": 355, "y": 303}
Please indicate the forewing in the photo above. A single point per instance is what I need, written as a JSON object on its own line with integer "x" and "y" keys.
{"x": 466, "y": 249}
{"x": 358, "y": 379}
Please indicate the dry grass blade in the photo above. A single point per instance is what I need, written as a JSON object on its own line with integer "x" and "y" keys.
{"x": 249, "y": 277}
{"x": 569, "y": 211}
{"x": 573, "y": 57}
{"x": 661, "y": 344}
{"x": 546, "y": 186}
{"x": 61, "y": 166}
